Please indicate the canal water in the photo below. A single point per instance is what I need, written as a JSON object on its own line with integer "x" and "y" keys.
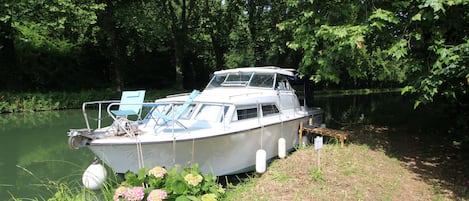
{"x": 34, "y": 153}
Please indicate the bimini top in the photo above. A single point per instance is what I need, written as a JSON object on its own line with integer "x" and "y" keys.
{"x": 252, "y": 77}
{"x": 264, "y": 69}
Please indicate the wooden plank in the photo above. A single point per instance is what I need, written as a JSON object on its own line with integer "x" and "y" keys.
{"x": 341, "y": 135}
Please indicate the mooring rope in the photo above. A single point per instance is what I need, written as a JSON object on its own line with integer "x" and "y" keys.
{"x": 138, "y": 143}
{"x": 141, "y": 163}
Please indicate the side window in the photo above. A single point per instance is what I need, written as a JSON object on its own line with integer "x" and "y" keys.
{"x": 245, "y": 113}
{"x": 269, "y": 109}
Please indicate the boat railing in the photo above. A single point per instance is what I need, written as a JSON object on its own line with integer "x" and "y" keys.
{"x": 178, "y": 95}
{"x": 109, "y": 104}
{"x": 245, "y": 94}
{"x": 100, "y": 105}
{"x": 128, "y": 130}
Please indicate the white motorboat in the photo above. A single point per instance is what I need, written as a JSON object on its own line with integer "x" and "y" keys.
{"x": 239, "y": 112}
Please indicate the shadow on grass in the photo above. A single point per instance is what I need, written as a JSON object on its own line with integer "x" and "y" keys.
{"x": 428, "y": 143}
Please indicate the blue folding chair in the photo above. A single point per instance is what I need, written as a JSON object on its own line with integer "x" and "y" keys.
{"x": 174, "y": 118}
{"x": 131, "y": 104}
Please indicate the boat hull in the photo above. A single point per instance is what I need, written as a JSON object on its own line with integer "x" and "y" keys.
{"x": 223, "y": 154}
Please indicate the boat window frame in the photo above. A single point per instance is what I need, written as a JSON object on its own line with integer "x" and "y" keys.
{"x": 270, "y": 75}
{"x": 240, "y": 82}
{"x": 236, "y": 115}
{"x": 275, "y": 109}
{"x": 217, "y": 80}
{"x": 282, "y": 83}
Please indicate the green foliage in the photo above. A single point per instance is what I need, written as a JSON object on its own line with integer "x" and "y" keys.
{"x": 57, "y": 24}
{"x": 70, "y": 45}
{"x": 380, "y": 18}
{"x": 27, "y": 102}
{"x": 317, "y": 174}
{"x": 416, "y": 43}
{"x": 30, "y": 102}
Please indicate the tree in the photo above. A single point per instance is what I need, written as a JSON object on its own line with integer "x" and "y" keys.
{"x": 219, "y": 20}
{"x": 438, "y": 37}
{"x": 422, "y": 44}
{"x": 255, "y": 39}
{"x": 334, "y": 39}
{"x": 38, "y": 35}
{"x": 7, "y": 46}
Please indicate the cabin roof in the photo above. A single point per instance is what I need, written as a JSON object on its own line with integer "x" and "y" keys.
{"x": 265, "y": 69}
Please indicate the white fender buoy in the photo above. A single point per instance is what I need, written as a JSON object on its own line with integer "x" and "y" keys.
{"x": 261, "y": 161}
{"x": 94, "y": 176}
{"x": 282, "y": 148}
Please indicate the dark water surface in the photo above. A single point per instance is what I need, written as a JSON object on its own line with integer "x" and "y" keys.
{"x": 34, "y": 149}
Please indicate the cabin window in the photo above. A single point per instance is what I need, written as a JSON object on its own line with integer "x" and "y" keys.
{"x": 213, "y": 113}
{"x": 245, "y": 113}
{"x": 262, "y": 80}
{"x": 269, "y": 109}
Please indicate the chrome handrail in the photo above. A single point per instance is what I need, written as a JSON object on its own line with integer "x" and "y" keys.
{"x": 114, "y": 117}
{"x": 100, "y": 103}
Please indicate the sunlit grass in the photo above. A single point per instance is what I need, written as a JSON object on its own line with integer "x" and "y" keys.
{"x": 355, "y": 172}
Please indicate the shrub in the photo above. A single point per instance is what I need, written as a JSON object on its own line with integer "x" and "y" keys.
{"x": 180, "y": 185}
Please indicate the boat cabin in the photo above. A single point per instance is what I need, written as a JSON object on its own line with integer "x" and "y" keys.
{"x": 235, "y": 95}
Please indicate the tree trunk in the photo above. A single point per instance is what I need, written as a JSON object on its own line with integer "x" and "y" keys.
{"x": 8, "y": 58}
{"x": 117, "y": 59}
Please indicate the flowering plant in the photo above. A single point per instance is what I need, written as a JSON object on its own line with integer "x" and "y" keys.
{"x": 160, "y": 184}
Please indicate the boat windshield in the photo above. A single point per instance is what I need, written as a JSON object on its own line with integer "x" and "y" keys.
{"x": 211, "y": 113}
{"x": 264, "y": 80}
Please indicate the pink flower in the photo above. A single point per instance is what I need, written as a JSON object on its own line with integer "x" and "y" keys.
{"x": 157, "y": 195}
{"x": 135, "y": 194}
{"x": 120, "y": 193}
{"x": 157, "y": 172}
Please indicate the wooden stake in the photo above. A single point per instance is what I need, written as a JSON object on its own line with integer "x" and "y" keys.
{"x": 319, "y": 159}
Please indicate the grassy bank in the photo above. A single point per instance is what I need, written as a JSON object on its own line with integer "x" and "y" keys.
{"x": 370, "y": 167}
{"x": 29, "y": 102}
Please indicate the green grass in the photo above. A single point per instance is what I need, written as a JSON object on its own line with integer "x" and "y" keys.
{"x": 355, "y": 172}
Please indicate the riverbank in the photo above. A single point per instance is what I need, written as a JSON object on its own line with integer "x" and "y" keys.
{"x": 11, "y": 102}
{"x": 378, "y": 163}
{"x": 390, "y": 143}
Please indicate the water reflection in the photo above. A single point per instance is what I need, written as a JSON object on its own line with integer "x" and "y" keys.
{"x": 34, "y": 150}
{"x": 388, "y": 109}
